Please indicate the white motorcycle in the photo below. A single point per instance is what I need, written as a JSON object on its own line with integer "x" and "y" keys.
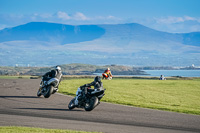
{"x": 48, "y": 87}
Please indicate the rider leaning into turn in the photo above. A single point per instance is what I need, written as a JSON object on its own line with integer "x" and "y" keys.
{"x": 55, "y": 73}
{"x": 107, "y": 73}
{"x": 96, "y": 83}
{"x": 88, "y": 97}
{"x": 86, "y": 88}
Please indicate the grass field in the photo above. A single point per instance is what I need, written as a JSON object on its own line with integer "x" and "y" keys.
{"x": 170, "y": 95}
{"x": 13, "y": 129}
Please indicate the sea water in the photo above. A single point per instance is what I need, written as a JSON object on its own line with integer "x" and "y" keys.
{"x": 167, "y": 73}
{"x": 170, "y": 73}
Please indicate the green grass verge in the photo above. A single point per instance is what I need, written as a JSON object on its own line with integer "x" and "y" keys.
{"x": 170, "y": 95}
{"x": 14, "y": 129}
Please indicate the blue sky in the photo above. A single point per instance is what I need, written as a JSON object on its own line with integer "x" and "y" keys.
{"x": 175, "y": 16}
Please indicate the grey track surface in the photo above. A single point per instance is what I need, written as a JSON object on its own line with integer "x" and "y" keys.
{"x": 19, "y": 106}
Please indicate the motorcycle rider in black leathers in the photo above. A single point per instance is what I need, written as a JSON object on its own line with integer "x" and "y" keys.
{"x": 98, "y": 85}
{"x": 55, "y": 73}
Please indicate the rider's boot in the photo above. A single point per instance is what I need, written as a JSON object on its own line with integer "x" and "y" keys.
{"x": 56, "y": 89}
{"x": 76, "y": 100}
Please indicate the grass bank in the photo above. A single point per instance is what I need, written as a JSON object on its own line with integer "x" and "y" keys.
{"x": 14, "y": 129}
{"x": 170, "y": 95}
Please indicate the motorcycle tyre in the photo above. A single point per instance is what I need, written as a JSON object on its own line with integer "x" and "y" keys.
{"x": 49, "y": 91}
{"x": 71, "y": 104}
{"x": 39, "y": 93}
{"x": 92, "y": 104}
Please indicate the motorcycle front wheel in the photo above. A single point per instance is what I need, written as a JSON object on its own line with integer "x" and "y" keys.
{"x": 71, "y": 104}
{"x": 91, "y": 104}
{"x": 39, "y": 93}
{"x": 48, "y": 92}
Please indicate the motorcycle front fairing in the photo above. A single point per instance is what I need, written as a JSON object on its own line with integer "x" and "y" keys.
{"x": 98, "y": 93}
{"x": 54, "y": 82}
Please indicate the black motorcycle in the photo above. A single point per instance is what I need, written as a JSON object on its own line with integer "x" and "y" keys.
{"x": 48, "y": 87}
{"x": 89, "y": 101}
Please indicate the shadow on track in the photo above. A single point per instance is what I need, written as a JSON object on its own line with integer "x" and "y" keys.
{"x": 19, "y": 97}
{"x": 49, "y": 109}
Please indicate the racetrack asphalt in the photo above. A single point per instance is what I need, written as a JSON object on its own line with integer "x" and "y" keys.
{"x": 19, "y": 106}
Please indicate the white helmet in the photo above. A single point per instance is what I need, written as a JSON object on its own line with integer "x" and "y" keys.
{"x": 108, "y": 68}
{"x": 58, "y": 68}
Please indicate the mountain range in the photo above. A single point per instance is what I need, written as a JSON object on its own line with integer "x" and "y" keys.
{"x": 47, "y": 44}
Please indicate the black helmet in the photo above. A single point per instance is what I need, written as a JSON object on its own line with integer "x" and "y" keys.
{"x": 97, "y": 79}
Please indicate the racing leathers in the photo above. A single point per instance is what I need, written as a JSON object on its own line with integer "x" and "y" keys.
{"x": 52, "y": 74}
{"x": 96, "y": 83}
{"x": 106, "y": 74}
{"x": 86, "y": 88}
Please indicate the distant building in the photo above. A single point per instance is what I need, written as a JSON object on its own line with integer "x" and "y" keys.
{"x": 192, "y": 65}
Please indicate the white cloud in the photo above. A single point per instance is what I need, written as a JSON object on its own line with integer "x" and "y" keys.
{"x": 46, "y": 15}
{"x": 110, "y": 17}
{"x": 172, "y": 19}
{"x": 182, "y": 24}
{"x": 80, "y": 16}
{"x": 189, "y": 18}
{"x": 172, "y": 24}
{"x": 63, "y": 15}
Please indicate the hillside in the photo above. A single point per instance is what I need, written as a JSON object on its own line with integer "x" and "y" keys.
{"x": 72, "y": 69}
{"x": 52, "y": 33}
{"x": 47, "y": 44}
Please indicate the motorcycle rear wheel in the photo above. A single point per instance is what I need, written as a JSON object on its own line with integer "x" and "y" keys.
{"x": 93, "y": 102}
{"x": 71, "y": 104}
